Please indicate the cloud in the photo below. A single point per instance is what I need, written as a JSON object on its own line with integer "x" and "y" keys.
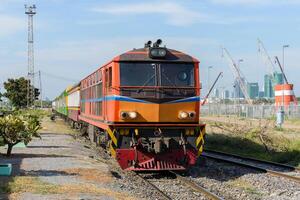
{"x": 175, "y": 14}
{"x": 256, "y": 2}
{"x": 10, "y": 25}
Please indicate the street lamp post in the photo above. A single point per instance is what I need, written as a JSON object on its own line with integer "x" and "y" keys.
{"x": 283, "y": 47}
{"x": 208, "y": 88}
{"x": 239, "y": 87}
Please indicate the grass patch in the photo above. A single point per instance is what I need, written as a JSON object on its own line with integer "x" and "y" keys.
{"x": 254, "y": 138}
{"x": 94, "y": 175}
{"x": 58, "y": 126}
{"x": 287, "y": 152}
{"x": 22, "y": 184}
{"x": 245, "y": 186}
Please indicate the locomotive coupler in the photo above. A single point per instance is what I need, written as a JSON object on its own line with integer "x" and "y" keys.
{"x": 183, "y": 142}
{"x": 134, "y": 144}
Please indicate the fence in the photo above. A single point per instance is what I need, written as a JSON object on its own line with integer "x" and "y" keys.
{"x": 248, "y": 111}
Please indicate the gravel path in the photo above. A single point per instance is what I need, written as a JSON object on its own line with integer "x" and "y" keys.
{"x": 59, "y": 167}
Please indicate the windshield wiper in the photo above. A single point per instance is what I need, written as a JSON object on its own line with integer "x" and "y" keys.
{"x": 167, "y": 78}
{"x": 146, "y": 83}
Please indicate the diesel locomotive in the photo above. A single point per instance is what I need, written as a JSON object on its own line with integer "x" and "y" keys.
{"x": 143, "y": 106}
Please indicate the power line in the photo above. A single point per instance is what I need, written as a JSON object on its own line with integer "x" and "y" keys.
{"x": 59, "y": 77}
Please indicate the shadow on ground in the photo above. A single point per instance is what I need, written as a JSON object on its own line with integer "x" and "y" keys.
{"x": 16, "y": 161}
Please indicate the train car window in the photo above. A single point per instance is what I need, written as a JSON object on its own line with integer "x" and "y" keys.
{"x": 137, "y": 74}
{"x": 109, "y": 77}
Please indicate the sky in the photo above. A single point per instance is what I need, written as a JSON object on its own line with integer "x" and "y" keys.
{"x": 75, "y": 37}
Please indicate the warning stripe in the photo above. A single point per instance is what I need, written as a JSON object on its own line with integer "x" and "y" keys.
{"x": 200, "y": 141}
{"x": 112, "y": 136}
{"x": 112, "y": 150}
{"x": 284, "y": 92}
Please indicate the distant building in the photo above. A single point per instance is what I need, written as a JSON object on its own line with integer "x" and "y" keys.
{"x": 269, "y": 84}
{"x": 232, "y": 95}
{"x": 261, "y": 94}
{"x": 278, "y": 78}
{"x": 238, "y": 93}
{"x": 216, "y": 93}
{"x": 252, "y": 89}
{"x": 226, "y": 94}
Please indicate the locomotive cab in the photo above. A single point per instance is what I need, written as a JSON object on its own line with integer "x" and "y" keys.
{"x": 158, "y": 112}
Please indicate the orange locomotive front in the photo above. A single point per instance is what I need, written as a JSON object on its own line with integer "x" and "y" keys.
{"x": 144, "y": 106}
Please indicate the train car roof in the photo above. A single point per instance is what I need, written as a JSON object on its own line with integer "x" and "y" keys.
{"x": 142, "y": 55}
{"x": 73, "y": 87}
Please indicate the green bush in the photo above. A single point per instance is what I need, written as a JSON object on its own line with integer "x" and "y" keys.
{"x": 19, "y": 127}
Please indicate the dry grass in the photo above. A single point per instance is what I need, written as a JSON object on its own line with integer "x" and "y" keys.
{"x": 34, "y": 185}
{"x": 254, "y": 138}
{"x": 245, "y": 186}
{"x": 94, "y": 175}
{"x": 58, "y": 126}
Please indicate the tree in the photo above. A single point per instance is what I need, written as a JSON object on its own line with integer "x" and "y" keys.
{"x": 16, "y": 92}
{"x": 15, "y": 129}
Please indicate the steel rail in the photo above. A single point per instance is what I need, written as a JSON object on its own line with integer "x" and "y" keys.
{"x": 254, "y": 159}
{"x": 271, "y": 172}
{"x": 196, "y": 187}
{"x": 164, "y": 195}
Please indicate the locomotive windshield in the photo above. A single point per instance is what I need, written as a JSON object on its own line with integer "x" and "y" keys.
{"x": 152, "y": 74}
{"x": 157, "y": 80}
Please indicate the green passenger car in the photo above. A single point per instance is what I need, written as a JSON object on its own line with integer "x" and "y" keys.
{"x": 61, "y": 103}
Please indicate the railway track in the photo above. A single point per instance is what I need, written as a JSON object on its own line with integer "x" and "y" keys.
{"x": 194, "y": 190}
{"x": 272, "y": 168}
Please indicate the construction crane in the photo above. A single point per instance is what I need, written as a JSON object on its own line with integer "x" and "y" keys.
{"x": 237, "y": 74}
{"x": 266, "y": 60}
{"x": 285, "y": 78}
{"x": 211, "y": 88}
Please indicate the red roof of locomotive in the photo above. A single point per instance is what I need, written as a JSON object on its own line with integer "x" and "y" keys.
{"x": 142, "y": 54}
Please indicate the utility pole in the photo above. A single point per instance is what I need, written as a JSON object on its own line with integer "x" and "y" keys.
{"x": 30, "y": 11}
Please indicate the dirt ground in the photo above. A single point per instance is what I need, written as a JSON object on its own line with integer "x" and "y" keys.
{"x": 57, "y": 167}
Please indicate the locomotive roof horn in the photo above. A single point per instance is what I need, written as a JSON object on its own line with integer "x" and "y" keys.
{"x": 157, "y": 43}
{"x": 148, "y": 44}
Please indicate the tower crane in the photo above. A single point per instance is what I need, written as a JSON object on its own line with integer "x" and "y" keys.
{"x": 237, "y": 73}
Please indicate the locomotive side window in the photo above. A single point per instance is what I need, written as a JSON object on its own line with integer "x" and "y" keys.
{"x": 83, "y": 98}
{"x": 108, "y": 78}
{"x": 98, "y": 99}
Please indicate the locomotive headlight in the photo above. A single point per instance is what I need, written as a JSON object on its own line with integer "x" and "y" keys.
{"x": 192, "y": 114}
{"x": 183, "y": 115}
{"x": 123, "y": 115}
{"x": 158, "y": 52}
{"x": 132, "y": 115}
